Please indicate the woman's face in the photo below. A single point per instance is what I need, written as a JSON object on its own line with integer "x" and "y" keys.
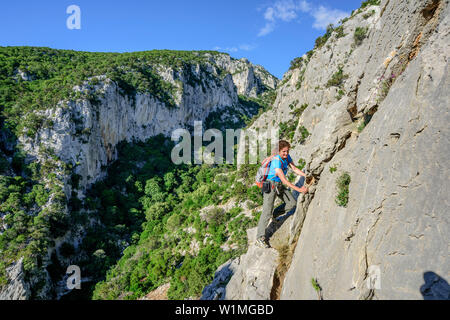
{"x": 284, "y": 152}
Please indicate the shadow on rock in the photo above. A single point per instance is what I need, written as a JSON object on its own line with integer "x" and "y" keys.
{"x": 217, "y": 289}
{"x": 435, "y": 287}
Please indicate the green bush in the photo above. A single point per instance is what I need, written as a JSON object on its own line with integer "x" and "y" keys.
{"x": 301, "y": 163}
{"x": 18, "y": 161}
{"x": 360, "y": 34}
{"x": 320, "y": 41}
{"x": 296, "y": 63}
{"x": 143, "y": 196}
{"x": 3, "y": 277}
{"x": 4, "y": 164}
{"x": 304, "y": 134}
{"x": 337, "y": 79}
{"x": 369, "y": 14}
{"x": 285, "y": 80}
{"x": 300, "y": 79}
{"x": 299, "y": 111}
{"x": 248, "y": 172}
{"x": 174, "y": 222}
{"x": 287, "y": 129}
{"x": 361, "y": 126}
{"x": 163, "y": 236}
{"x": 315, "y": 284}
{"x": 215, "y": 216}
{"x": 367, "y": 3}
{"x": 343, "y": 183}
{"x": 254, "y": 194}
{"x": 37, "y": 195}
{"x": 340, "y": 32}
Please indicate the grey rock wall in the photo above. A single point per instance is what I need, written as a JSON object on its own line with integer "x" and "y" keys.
{"x": 253, "y": 277}
{"x": 87, "y": 134}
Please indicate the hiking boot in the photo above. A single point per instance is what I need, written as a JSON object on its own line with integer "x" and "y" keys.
{"x": 276, "y": 216}
{"x": 279, "y": 211}
{"x": 262, "y": 243}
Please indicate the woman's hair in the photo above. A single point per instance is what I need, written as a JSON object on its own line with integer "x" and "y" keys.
{"x": 283, "y": 144}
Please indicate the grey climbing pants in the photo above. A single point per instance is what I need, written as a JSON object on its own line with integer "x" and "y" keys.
{"x": 269, "y": 198}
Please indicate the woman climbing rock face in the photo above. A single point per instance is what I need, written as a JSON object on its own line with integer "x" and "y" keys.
{"x": 278, "y": 187}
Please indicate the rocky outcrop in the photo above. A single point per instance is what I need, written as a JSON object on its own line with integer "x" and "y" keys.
{"x": 253, "y": 277}
{"x": 250, "y": 80}
{"x": 377, "y": 109}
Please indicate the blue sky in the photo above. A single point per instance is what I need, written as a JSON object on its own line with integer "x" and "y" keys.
{"x": 269, "y": 33}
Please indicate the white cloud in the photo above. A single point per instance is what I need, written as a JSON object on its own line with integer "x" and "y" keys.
{"x": 229, "y": 49}
{"x": 324, "y": 16}
{"x": 268, "y": 28}
{"x": 304, "y": 6}
{"x": 243, "y": 47}
{"x": 288, "y": 10}
{"x": 285, "y": 10}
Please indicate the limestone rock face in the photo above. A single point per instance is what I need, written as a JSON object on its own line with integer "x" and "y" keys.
{"x": 253, "y": 277}
{"x": 396, "y": 220}
{"x": 85, "y": 132}
{"x": 248, "y": 277}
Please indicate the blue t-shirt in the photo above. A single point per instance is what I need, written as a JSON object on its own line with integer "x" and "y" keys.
{"x": 278, "y": 162}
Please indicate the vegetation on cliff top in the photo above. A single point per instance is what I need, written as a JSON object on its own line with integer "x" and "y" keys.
{"x": 54, "y": 73}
